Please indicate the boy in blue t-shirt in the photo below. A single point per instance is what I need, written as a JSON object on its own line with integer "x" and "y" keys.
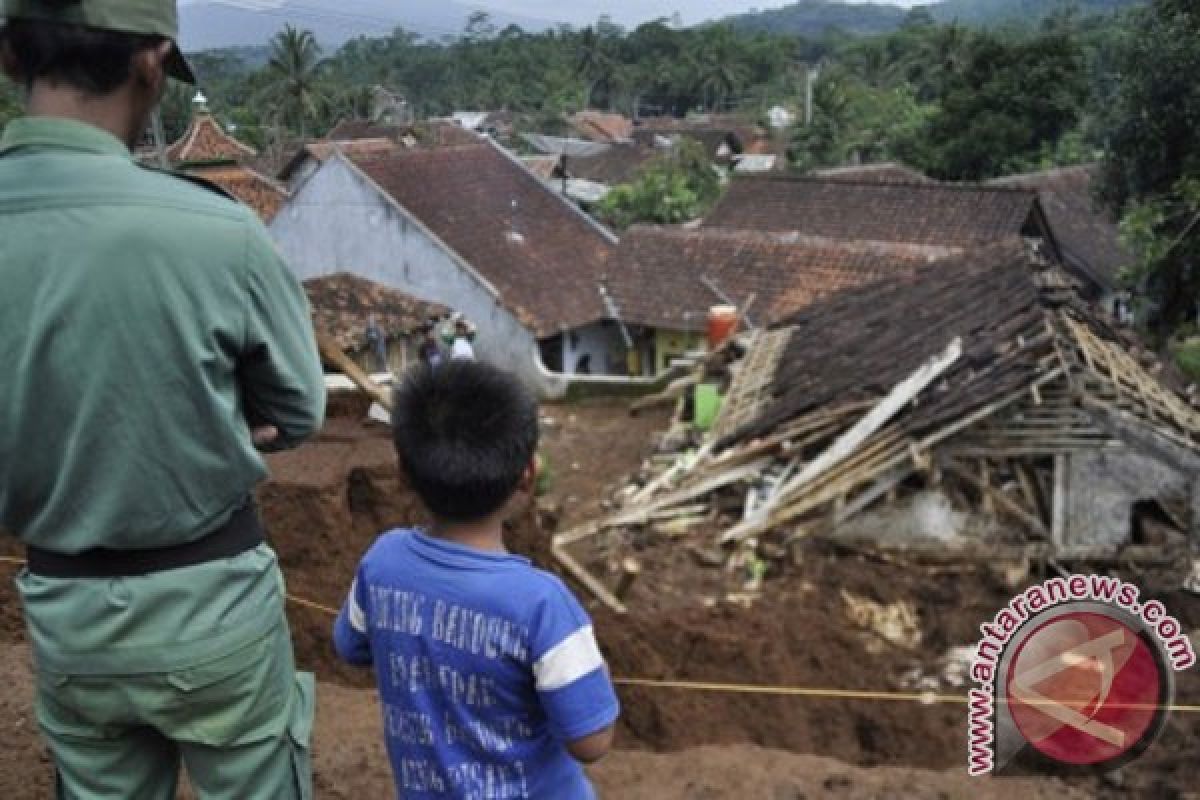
{"x": 490, "y": 678}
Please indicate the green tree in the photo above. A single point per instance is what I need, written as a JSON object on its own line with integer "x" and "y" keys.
{"x": 1011, "y": 99}
{"x": 1151, "y": 172}
{"x": 678, "y": 188}
{"x": 719, "y": 66}
{"x": 294, "y": 77}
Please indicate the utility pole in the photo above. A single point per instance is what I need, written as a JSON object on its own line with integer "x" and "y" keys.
{"x": 811, "y": 74}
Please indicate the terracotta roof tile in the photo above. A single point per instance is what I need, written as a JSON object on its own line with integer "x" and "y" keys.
{"x": 931, "y": 214}
{"x": 599, "y": 126}
{"x": 206, "y": 142}
{"x": 253, "y": 189}
{"x": 860, "y": 343}
{"x": 1086, "y": 234}
{"x": 621, "y": 163}
{"x": 543, "y": 256}
{"x": 668, "y": 277}
{"x": 342, "y": 305}
{"x": 887, "y": 172}
{"x": 431, "y": 133}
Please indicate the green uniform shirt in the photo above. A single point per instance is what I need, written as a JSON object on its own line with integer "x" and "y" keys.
{"x": 145, "y": 323}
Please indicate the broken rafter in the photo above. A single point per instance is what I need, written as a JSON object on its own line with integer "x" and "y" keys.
{"x": 900, "y": 396}
{"x": 989, "y": 492}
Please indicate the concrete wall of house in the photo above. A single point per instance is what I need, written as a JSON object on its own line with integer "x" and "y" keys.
{"x": 601, "y": 344}
{"x": 339, "y": 222}
{"x": 1102, "y": 488}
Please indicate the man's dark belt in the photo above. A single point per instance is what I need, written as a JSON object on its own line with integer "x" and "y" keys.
{"x": 242, "y": 532}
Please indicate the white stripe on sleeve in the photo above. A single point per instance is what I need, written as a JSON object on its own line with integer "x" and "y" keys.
{"x": 358, "y": 619}
{"x": 568, "y": 661}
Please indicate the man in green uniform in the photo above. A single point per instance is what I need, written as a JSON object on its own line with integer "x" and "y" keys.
{"x": 152, "y": 343}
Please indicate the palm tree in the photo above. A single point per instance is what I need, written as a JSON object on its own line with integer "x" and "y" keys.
{"x": 719, "y": 68}
{"x": 294, "y": 75}
{"x": 595, "y": 64}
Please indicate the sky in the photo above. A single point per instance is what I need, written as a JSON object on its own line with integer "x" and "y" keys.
{"x": 582, "y": 12}
{"x": 631, "y": 12}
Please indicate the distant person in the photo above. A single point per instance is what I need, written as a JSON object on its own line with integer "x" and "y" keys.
{"x": 490, "y": 677}
{"x": 377, "y": 341}
{"x": 153, "y": 341}
{"x": 430, "y": 351}
{"x": 462, "y": 349}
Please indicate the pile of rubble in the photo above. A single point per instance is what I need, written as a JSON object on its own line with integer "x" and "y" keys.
{"x": 976, "y": 409}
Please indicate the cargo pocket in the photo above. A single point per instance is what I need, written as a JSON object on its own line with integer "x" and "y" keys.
{"x": 233, "y": 700}
{"x": 300, "y": 735}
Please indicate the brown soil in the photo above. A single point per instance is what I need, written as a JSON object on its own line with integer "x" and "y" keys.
{"x": 326, "y": 502}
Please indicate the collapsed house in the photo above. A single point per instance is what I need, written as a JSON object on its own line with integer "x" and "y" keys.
{"x": 984, "y": 379}
{"x": 344, "y": 306}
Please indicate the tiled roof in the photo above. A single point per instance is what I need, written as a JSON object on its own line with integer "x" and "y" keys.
{"x": 342, "y": 305}
{"x": 668, "y": 277}
{"x": 859, "y": 344}
{"x": 711, "y": 139}
{"x": 887, "y": 172}
{"x": 431, "y": 133}
{"x": 544, "y": 167}
{"x": 930, "y": 214}
{"x": 321, "y": 151}
{"x": 1086, "y": 234}
{"x": 621, "y": 163}
{"x": 543, "y": 256}
{"x": 599, "y": 126}
{"x": 205, "y": 142}
{"x": 257, "y": 191}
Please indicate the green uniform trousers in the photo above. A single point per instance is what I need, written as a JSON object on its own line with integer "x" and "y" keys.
{"x": 238, "y": 718}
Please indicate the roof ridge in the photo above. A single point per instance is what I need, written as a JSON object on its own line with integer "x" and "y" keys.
{"x": 791, "y": 238}
{"x": 1051, "y": 171}
{"x": 927, "y": 186}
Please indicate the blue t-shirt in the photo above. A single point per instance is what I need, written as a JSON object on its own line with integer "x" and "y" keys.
{"x": 486, "y": 666}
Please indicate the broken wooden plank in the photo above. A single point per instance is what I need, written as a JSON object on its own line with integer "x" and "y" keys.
{"x": 882, "y": 486}
{"x": 641, "y": 514}
{"x": 996, "y": 496}
{"x": 900, "y": 396}
{"x": 590, "y": 582}
{"x": 1059, "y": 516}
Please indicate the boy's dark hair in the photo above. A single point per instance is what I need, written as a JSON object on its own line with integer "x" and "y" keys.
{"x": 465, "y": 432}
{"x": 93, "y": 61}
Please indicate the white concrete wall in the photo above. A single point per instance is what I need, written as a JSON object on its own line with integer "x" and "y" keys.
{"x": 600, "y": 341}
{"x": 339, "y": 222}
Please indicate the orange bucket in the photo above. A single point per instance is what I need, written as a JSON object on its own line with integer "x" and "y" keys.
{"x": 722, "y": 323}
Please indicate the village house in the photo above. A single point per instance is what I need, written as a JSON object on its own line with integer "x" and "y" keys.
{"x": 664, "y": 280}
{"x": 344, "y": 306}
{"x": 208, "y": 151}
{"x": 1087, "y": 235}
{"x": 470, "y": 228}
{"x": 587, "y": 178}
{"x": 1010, "y": 395}
{"x": 876, "y": 209}
{"x": 975, "y": 410}
{"x": 601, "y": 126}
{"x": 367, "y": 138}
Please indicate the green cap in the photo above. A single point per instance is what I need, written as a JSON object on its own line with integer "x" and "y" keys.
{"x": 154, "y": 17}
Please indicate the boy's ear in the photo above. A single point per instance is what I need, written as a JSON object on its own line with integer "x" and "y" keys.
{"x": 529, "y": 476}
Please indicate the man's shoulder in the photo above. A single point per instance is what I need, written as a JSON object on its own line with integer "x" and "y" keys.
{"x": 190, "y": 193}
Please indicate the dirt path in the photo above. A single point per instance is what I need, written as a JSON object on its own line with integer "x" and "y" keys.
{"x": 327, "y": 502}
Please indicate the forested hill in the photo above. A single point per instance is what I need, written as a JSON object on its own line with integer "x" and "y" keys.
{"x": 815, "y": 17}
